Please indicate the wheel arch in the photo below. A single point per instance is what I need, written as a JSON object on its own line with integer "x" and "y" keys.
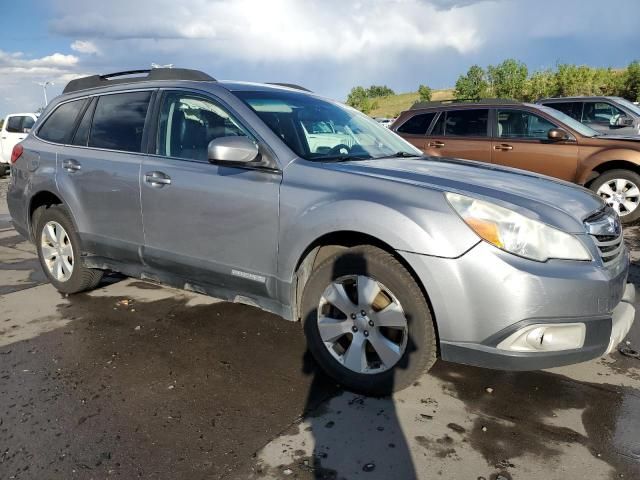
{"x": 43, "y": 198}
{"x": 600, "y": 165}
{"x": 329, "y": 243}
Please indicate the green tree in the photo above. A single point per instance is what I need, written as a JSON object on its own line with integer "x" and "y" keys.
{"x": 358, "y": 98}
{"x": 508, "y": 79}
{"x": 375, "y": 91}
{"x": 631, "y": 82}
{"x": 473, "y": 85}
{"x": 539, "y": 85}
{"x": 425, "y": 93}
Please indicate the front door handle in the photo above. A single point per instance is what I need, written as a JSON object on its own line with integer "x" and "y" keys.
{"x": 71, "y": 165}
{"x": 503, "y": 147}
{"x": 157, "y": 179}
{"x": 435, "y": 144}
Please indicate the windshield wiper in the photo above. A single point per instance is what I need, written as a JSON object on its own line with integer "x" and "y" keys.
{"x": 402, "y": 155}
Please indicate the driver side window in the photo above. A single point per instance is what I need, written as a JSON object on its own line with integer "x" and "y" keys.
{"x": 188, "y": 123}
{"x": 522, "y": 124}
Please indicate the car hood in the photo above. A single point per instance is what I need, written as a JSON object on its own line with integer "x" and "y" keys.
{"x": 560, "y": 204}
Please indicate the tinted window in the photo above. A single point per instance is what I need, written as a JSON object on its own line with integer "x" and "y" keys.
{"x": 438, "y": 128}
{"x": 27, "y": 123}
{"x": 467, "y": 123}
{"x": 14, "y": 124}
{"x": 600, "y": 112}
{"x": 82, "y": 132}
{"x": 189, "y": 123}
{"x": 522, "y": 124}
{"x": 58, "y": 127}
{"x": 118, "y": 121}
{"x": 418, "y": 124}
{"x": 573, "y": 109}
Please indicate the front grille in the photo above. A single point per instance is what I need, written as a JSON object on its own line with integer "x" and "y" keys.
{"x": 609, "y": 246}
{"x": 606, "y": 231}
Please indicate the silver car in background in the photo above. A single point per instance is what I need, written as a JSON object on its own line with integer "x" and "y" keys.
{"x": 281, "y": 199}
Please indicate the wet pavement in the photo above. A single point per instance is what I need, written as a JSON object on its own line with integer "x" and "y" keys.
{"x": 135, "y": 380}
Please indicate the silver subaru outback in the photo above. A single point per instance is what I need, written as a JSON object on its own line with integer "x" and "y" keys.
{"x": 269, "y": 195}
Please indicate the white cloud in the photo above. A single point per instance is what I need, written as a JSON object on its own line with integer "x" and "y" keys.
{"x": 84, "y": 46}
{"x": 279, "y": 29}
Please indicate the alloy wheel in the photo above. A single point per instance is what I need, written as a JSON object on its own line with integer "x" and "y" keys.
{"x": 362, "y": 324}
{"x": 621, "y": 194}
{"x": 57, "y": 252}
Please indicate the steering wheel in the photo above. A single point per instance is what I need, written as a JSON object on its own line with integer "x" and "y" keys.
{"x": 341, "y": 148}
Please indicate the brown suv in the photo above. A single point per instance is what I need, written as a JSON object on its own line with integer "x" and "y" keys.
{"x": 531, "y": 137}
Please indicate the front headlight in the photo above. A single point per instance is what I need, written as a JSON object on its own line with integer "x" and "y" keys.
{"x": 516, "y": 233}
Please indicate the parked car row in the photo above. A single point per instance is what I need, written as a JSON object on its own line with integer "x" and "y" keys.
{"x": 532, "y": 137}
{"x": 279, "y": 198}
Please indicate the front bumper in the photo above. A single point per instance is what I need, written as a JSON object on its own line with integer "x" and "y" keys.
{"x": 487, "y": 296}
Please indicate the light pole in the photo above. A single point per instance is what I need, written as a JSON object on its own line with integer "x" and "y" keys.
{"x": 44, "y": 86}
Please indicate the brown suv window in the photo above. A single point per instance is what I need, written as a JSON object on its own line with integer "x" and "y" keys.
{"x": 522, "y": 124}
{"x": 465, "y": 123}
{"x": 418, "y": 124}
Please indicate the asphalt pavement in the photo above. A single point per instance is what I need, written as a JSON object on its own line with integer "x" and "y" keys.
{"x": 135, "y": 380}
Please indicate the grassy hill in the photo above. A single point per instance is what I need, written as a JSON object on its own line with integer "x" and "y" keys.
{"x": 391, "y": 106}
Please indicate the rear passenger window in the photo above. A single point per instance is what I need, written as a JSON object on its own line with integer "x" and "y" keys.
{"x": 418, "y": 124}
{"x": 14, "y": 124}
{"x": 118, "y": 121}
{"x": 58, "y": 127}
{"x": 573, "y": 109}
{"x": 467, "y": 123}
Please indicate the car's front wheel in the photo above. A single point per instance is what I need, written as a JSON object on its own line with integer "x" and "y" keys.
{"x": 367, "y": 322}
{"x": 620, "y": 189}
{"x": 58, "y": 247}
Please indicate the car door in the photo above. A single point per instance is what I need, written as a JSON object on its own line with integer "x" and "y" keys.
{"x": 521, "y": 141}
{"x": 16, "y": 129}
{"x": 461, "y": 134}
{"x": 603, "y": 116}
{"x": 99, "y": 174}
{"x": 207, "y": 224}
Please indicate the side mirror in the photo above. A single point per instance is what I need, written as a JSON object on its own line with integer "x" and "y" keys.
{"x": 557, "y": 134}
{"x": 238, "y": 150}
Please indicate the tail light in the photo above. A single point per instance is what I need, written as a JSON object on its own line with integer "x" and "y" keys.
{"x": 16, "y": 153}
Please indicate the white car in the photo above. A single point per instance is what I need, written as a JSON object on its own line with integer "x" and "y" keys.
{"x": 15, "y": 128}
{"x": 385, "y": 122}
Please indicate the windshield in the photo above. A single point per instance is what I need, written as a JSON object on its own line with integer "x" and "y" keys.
{"x": 318, "y": 129}
{"x": 630, "y": 105}
{"x": 571, "y": 122}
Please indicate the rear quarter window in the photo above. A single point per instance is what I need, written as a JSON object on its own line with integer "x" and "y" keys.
{"x": 58, "y": 127}
{"x": 418, "y": 124}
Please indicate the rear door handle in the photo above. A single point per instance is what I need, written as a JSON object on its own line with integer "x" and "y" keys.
{"x": 503, "y": 146}
{"x": 157, "y": 179}
{"x": 71, "y": 165}
{"x": 435, "y": 144}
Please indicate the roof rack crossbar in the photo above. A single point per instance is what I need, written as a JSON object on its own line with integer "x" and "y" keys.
{"x": 289, "y": 85}
{"x": 95, "y": 81}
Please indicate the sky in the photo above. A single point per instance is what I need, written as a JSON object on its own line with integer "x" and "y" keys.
{"x": 327, "y": 46}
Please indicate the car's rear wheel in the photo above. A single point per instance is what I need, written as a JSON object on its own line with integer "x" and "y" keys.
{"x": 620, "y": 189}
{"x": 367, "y": 322}
{"x": 58, "y": 247}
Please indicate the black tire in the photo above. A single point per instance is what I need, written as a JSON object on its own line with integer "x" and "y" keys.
{"x": 629, "y": 175}
{"x": 421, "y": 350}
{"x": 82, "y": 278}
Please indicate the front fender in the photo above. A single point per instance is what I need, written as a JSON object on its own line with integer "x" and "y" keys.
{"x": 403, "y": 229}
{"x": 604, "y": 156}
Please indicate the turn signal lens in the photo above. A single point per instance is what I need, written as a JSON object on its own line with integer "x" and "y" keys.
{"x": 486, "y": 230}
{"x": 16, "y": 153}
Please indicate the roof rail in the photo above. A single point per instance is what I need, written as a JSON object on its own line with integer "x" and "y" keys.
{"x": 463, "y": 101}
{"x": 290, "y": 85}
{"x": 95, "y": 81}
